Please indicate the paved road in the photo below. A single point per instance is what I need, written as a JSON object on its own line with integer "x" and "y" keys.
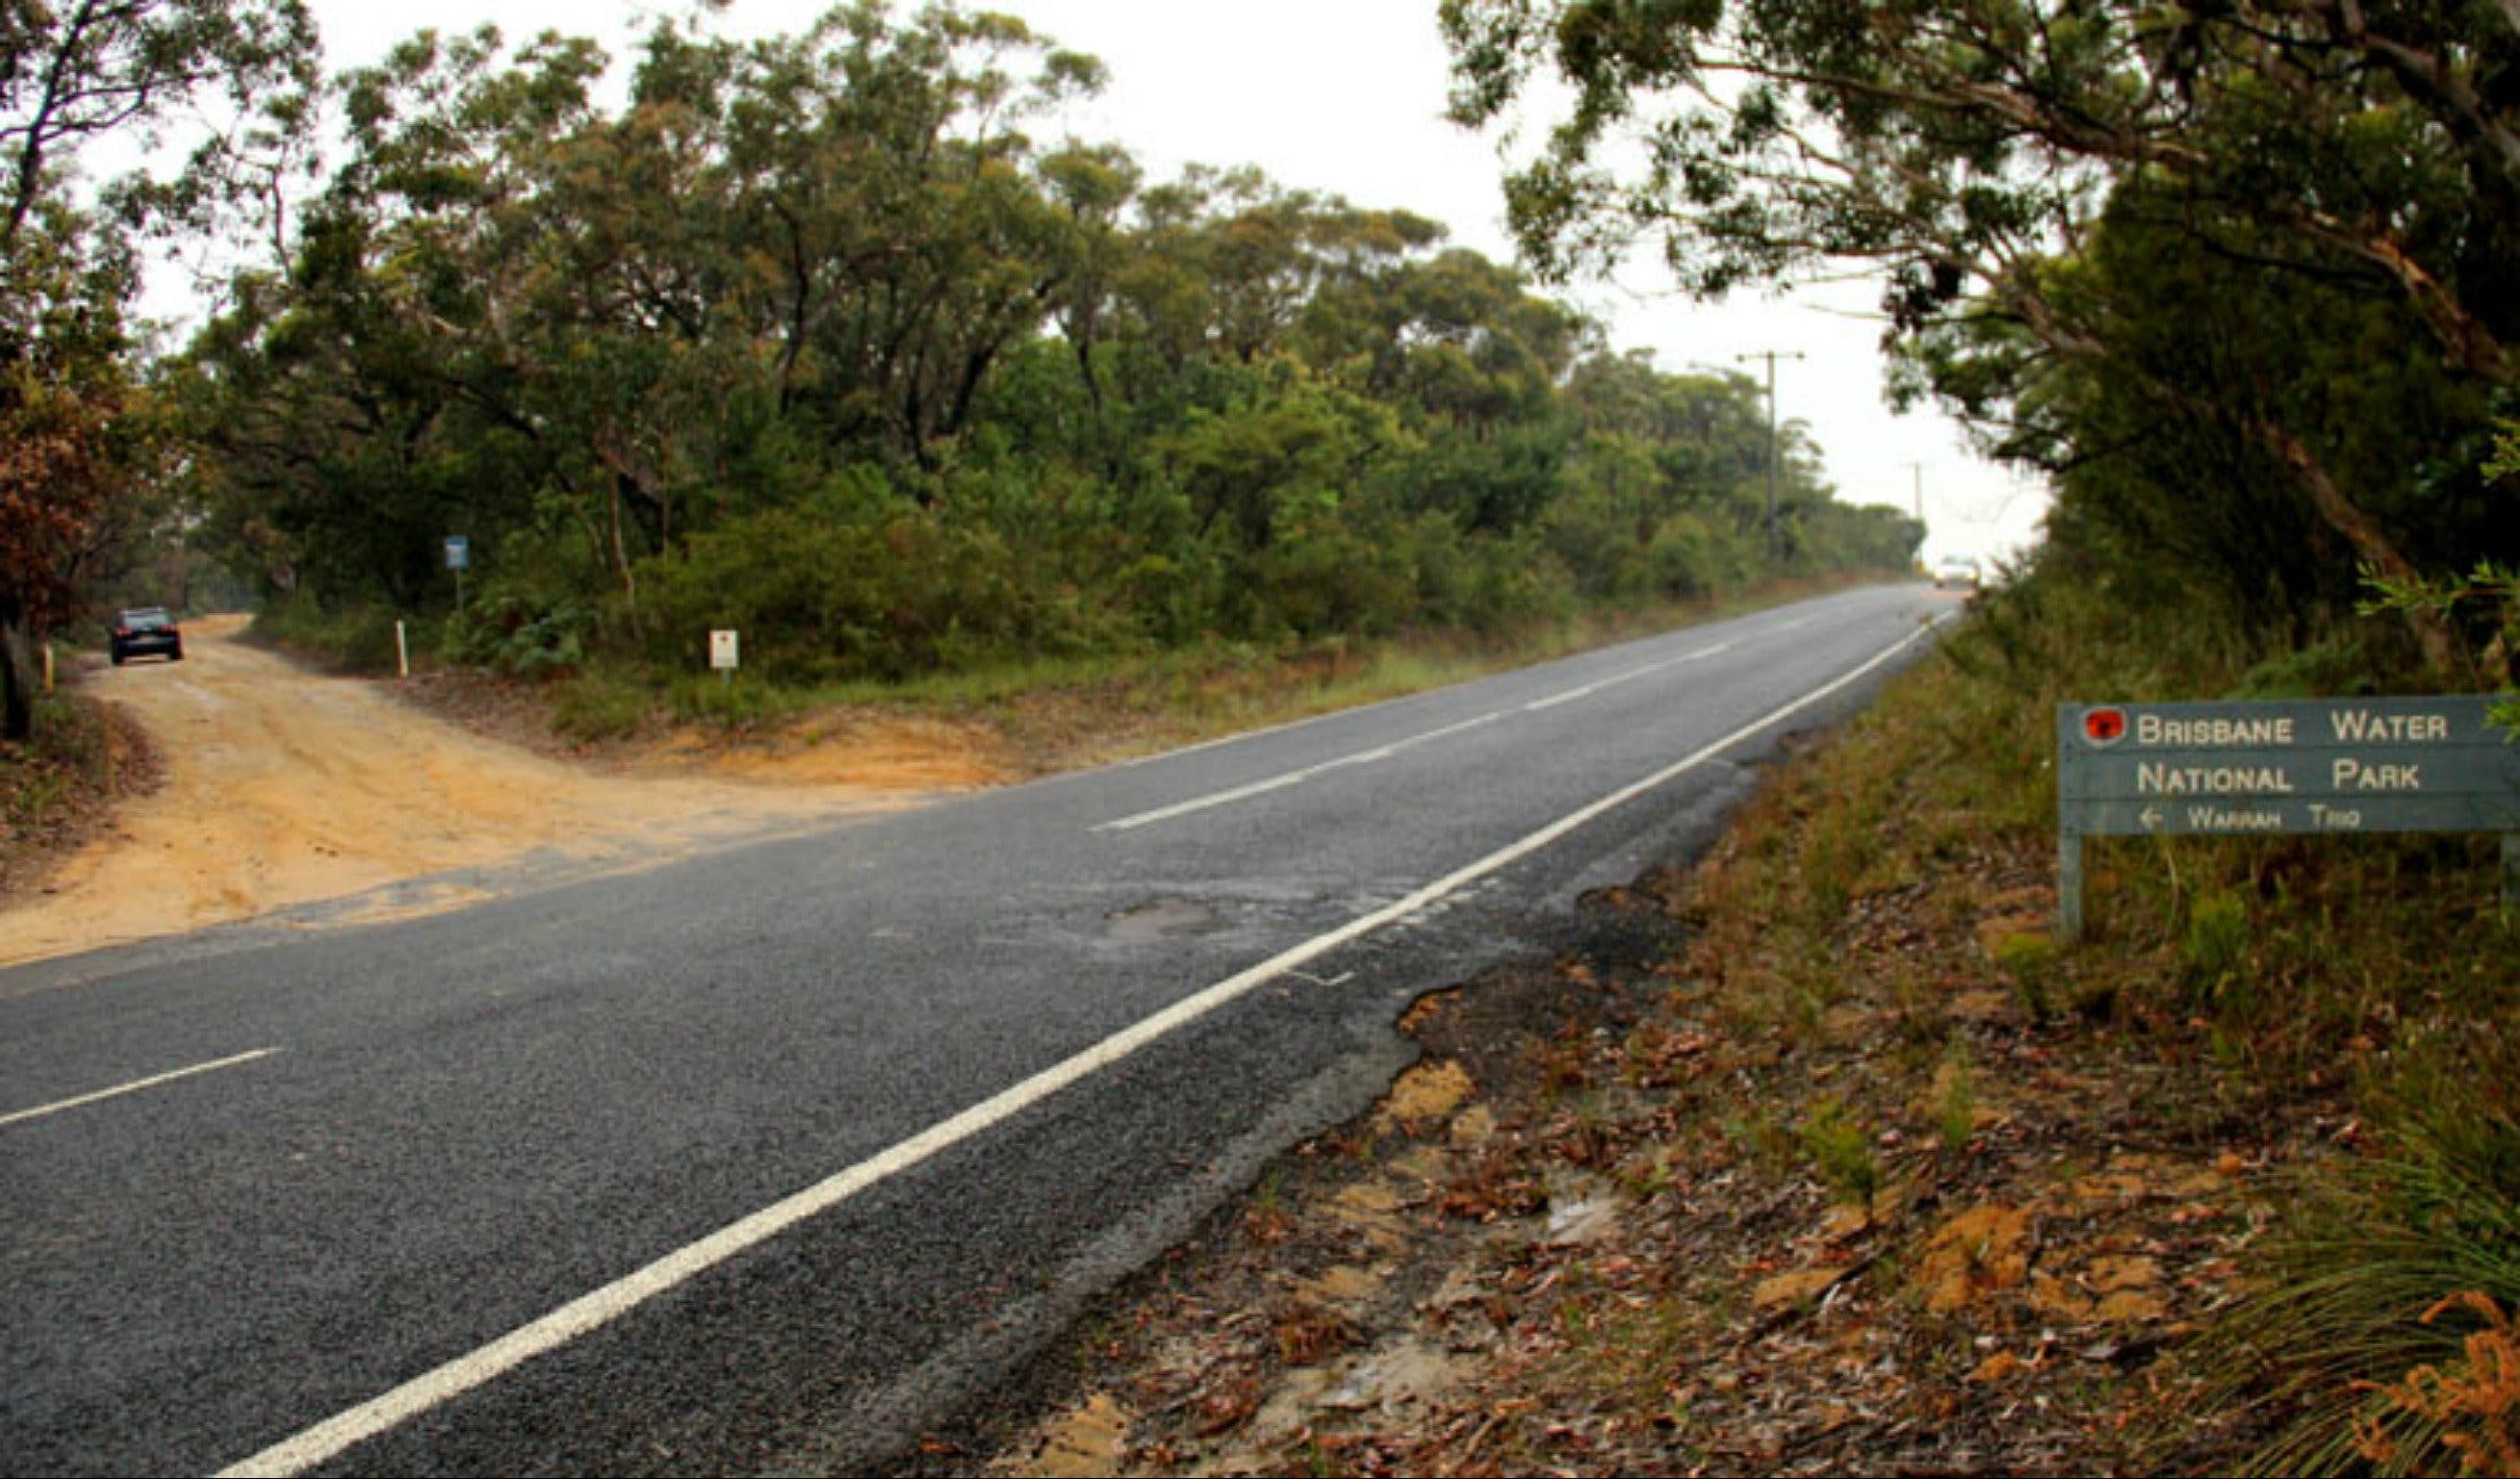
{"x": 753, "y": 1162}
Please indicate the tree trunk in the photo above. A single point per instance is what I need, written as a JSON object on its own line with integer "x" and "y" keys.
{"x": 2443, "y": 653}
{"x": 17, "y": 681}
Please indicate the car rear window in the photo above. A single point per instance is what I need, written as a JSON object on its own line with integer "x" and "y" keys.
{"x": 147, "y": 621}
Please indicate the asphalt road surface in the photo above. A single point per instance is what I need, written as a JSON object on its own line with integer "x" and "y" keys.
{"x": 761, "y": 1161}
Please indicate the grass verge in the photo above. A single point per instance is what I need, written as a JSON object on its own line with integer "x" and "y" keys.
{"x": 1054, "y": 714}
{"x": 2337, "y": 1015}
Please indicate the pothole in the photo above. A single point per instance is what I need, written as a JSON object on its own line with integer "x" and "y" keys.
{"x": 1161, "y": 920}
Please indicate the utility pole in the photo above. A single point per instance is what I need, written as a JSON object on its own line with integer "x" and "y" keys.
{"x": 1770, "y": 356}
{"x": 1916, "y": 470}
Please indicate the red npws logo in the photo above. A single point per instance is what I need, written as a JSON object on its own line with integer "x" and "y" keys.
{"x": 2105, "y": 726}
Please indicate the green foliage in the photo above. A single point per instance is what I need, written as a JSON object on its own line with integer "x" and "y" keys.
{"x": 1770, "y": 1145}
{"x": 808, "y": 338}
{"x": 2321, "y": 670}
{"x": 355, "y": 639}
{"x": 2032, "y": 961}
{"x": 2232, "y": 277}
{"x": 513, "y": 636}
{"x": 1955, "y": 1101}
{"x": 818, "y": 601}
{"x": 1841, "y": 1151}
{"x": 2484, "y": 602}
{"x": 597, "y": 707}
{"x": 2214, "y": 952}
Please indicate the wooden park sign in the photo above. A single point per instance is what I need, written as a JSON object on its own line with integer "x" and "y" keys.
{"x": 2319, "y": 765}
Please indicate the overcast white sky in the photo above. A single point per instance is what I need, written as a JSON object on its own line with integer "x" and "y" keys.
{"x": 1346, "y": 97}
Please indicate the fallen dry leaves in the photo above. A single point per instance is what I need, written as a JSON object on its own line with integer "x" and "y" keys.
{"x": 1589, "y": 1234}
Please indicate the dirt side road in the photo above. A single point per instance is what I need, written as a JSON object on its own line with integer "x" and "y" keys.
{"x": 285, "y": 787}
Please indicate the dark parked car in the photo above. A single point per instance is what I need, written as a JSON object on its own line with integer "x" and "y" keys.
{"x": 143, "y": 630}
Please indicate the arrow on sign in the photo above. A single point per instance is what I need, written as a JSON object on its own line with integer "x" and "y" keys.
{"x": 2150, "y": 817}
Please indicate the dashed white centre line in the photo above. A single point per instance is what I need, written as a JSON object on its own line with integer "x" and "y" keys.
{"x": 1385, "y": 752}
{"x": 135, "y": 1086}
{"x": 1290, "y": 777}
{"x": 1615, "y": 679}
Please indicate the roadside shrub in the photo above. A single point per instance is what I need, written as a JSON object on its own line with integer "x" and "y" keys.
{"x": 517, "y": 636}
{"x": 730, "y": 702}
{"x": 2031, "y": 960}
{"x": 1692, "y": 556}
{"x": 72, "y": 753}
{"x": 1324, "y": 576}
{"x": 1841, "y": 1152}
{"x": 602, "y": 705}
{"x": 2326, "y": 670}
{"x": 353, "y": 639}
{"x": 2214, "y": 953}
{"x": 818, "y": 601}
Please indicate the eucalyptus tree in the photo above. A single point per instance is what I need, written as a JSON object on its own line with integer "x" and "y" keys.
{"x": 900, "y": 240}
{"x": 67, "y": 425}
{"x": 79, "y": 73}
{"x": 643, "y": 373}
{"x": 1971, "y": 149}
{"x": 1092, "y": 186}
{"x": 1702, "y": 438}
{"x": 224, "y": 82}
{"x": 1472, "y": 359}
{"x": 389, "y": 387}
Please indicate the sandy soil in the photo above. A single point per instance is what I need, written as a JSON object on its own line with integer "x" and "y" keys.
{"x": 285, "y": 787}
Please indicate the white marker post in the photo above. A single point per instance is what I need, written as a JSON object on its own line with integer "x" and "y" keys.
{"x": 402, "y": 650}
{"x": 723, "y": 654}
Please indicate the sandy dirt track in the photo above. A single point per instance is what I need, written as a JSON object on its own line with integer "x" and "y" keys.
{"x": 285, "y": 787}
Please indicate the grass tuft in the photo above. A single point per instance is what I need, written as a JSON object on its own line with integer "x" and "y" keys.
{"x": 2386, "y": 1273}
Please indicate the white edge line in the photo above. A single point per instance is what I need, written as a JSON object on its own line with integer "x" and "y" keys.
{"x": 135, "y": 1086}
{"x": 589, "y": 1311}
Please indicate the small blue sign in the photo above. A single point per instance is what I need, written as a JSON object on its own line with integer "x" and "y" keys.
{"x": 459, "y": 553}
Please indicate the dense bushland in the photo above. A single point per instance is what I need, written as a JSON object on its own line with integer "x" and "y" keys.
{"x": 808, "y": 338}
